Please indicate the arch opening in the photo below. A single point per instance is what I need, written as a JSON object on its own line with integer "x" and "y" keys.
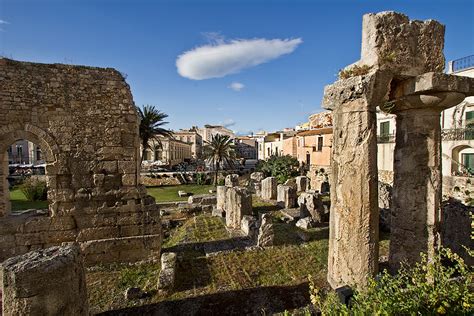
{"x": 26, "y": 172}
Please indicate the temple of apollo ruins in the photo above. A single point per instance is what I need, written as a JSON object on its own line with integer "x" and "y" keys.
{"x": 402, "y": 63}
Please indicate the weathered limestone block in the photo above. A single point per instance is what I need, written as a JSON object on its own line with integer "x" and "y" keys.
{"x": 204, "y": 199}
{"x": 249, "y": 226}
{"x": 353, "y": 234}
{"x": 269, "y": 188}
{"x": 221, "y": 197}
{"x": 301, "y": 183}
{"x": 291, "y": 182}
{"x": 406, "y": 48}
{"x": 44, "y": 282}
{"x": 257, "y": 176}
{"x": 168, "y": 271}
{"x": 286, "y": 196}
{"x": 311, "y": 205}
{"x": 305, "y": 223}
{"x": 232, "y": 180}
{"x": 265, "y": 232}
{"x": 385, "y": 205}
{"x": 238, "y": 204}
{"x": 456, "y": 228}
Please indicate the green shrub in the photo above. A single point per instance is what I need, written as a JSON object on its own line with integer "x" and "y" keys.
{"x": 280, "y": 167}
{"x": 200, "y": 178}
{"x": 439, "y": 286}
{"x": 354, "y": 71}
{"x": 34, "y": 189}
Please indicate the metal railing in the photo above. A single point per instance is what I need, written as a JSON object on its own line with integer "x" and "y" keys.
{"x": 458, "y": 134}
{"x": 463, "y": 63}
{"x": 387, "y": 138}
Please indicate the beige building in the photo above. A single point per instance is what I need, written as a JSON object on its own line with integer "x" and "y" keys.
{"x": 457, "y": 125}
{"x": 277, "y": 144}
{"x": 314, "y": 147}
{"x": 170, "y": 153}
{"x": 192, "y": 137}
{"x": 25, "y": 152}
{"x": 209, "y": 130}
{"x": 246, "y": 147}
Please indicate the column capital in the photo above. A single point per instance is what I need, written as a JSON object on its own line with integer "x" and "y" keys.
{"x": 372, "y": 87}
{"x": 430, "y": 91}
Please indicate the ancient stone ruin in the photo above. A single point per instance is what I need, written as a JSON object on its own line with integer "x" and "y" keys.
{"x": 269, "y": 188}
{"x": 85, "y": 121}
{"x": 44, "y": 282}
{"x": 238, "y": 203}
{"x": 400, "y": 71}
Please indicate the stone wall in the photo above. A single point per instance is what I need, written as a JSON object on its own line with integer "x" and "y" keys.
{"x": 85, "y": 121}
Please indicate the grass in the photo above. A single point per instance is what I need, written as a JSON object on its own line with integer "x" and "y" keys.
{"x": 19, "y": 201}
{"x": 170, "y": 193}
{"x": 287, "y": 263}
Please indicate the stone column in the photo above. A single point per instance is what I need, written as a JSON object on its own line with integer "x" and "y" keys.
{"x": 354, "y": 216}
{"x": 44, "y": 282}
{"x": 269, "y": 188}
{"x": 417, "y": 188}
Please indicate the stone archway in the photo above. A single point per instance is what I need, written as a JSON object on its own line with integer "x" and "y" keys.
{"x": 50, "y": 152}
{"x": 85, "y": 120}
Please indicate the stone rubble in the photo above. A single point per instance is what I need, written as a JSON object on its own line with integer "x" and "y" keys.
{"x": 310, "y": 204}
{"x": 302, "y": 183}
{"x": 48, "y": 281}
{"x": 232, "y": 180}
{"x": 266, "y": 235}
{"x": 238, "y": 203}
{"x": 286, "y": 196}
{"x": 269, "y": 188}
{"x": 167, "y": 275}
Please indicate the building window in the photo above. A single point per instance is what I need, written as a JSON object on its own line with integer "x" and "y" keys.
{"x": 468, "y": 163}
{"x": 320, "y": 143}
{"x": 268, "y": 151}
{"x": 38, "y": 153}
{"x": 385, "y": 128}
{"x": 308, "y": 158}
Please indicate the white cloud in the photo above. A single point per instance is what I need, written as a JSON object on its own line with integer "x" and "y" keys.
{"x": 236, "y": 86}
{"x": 228, "y": 123}
{"x": 224, "y": 58}
{"x": 3, "y": 22}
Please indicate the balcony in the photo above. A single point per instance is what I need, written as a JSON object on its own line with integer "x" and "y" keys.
{"x": 385, "y": 138}
{"x": 458, "y": 134}
{"x": 463, "y": 63}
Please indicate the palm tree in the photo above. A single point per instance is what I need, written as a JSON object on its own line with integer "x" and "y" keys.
{"x": 219, "y": 150}
{"x": 151, "y": 120}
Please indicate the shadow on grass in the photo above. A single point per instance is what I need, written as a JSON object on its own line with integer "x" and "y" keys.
{"x": 261, "y": 300}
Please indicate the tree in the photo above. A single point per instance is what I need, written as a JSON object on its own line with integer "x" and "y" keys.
{"x": 151, "y": 122}
{"x": 281, "y": 167}
{"x": 218, "y": 151}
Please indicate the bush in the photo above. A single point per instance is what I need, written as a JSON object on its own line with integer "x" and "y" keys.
{"x": 280, "y": 167}
{"x": 200, "y": 178}
{"x": 439, "y": 286}
{"x": 34, "y": 189}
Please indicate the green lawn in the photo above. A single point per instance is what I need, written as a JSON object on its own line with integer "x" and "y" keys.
{"x": 19, "y": 201}
{"x": 170, "y": 193}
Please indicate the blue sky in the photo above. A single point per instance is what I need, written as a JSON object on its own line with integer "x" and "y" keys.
{"x": 144, "y": 39}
